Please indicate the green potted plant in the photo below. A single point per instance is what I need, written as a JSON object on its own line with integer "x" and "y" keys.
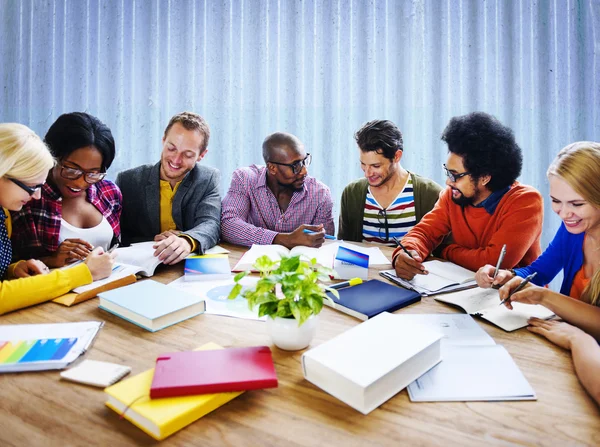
{"x": 288, "y": 292}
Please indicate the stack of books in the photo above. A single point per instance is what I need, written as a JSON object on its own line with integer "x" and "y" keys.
{"x": 184, "y": 386}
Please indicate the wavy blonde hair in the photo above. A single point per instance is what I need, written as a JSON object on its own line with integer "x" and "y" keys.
{"x": 23, "y": 155}
{"x": 578, "y": 164}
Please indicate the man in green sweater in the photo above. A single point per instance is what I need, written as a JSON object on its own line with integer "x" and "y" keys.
{"x": 389, "y": 200}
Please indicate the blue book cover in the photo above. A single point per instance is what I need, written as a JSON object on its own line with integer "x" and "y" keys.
{"x": 207, "y": 267}
{"x": 372, "y": 297}
{"x": 151, "y": 305}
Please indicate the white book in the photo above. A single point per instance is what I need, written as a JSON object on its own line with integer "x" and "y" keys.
{"x": 370, "y": 363}
{"x": 96, "y": 373}
{"x": 442, "y": 277}
{"x": 139, "y": 257}
{"x": 485, "y": 303}
{"x": 472, "y": 373}
{"x": 323, "y": 255}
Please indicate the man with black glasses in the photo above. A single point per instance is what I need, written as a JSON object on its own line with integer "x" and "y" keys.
{"x": 278, "y": 203}
{"x": 389, "y": 200}
{"x": 483, "y": 207}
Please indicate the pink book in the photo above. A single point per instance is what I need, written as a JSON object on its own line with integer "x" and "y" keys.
{"x": 215, "y": 371}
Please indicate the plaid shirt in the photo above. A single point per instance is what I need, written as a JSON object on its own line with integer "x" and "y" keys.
{"x": 251, "y": 213}
{"x": 36, "y": 228}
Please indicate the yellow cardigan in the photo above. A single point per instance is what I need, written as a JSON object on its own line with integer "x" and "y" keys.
{"x": 23, "y": 292}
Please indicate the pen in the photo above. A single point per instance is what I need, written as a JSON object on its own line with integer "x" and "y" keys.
{"x": 402, "y": 247}
{"x": 500, "y": 259}
{"x": 327, "y": 236}
{"x": 519, "y": 287}
{"x": 350, "y": 283}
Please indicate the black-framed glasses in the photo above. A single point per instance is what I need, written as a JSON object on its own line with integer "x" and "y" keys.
{"x": 297, "y": 165}
{"x": 31, "y": 190}
{"x": 75, "y": 173}
{"x": 452, "y": 176}
{"x": 382, "y": 214}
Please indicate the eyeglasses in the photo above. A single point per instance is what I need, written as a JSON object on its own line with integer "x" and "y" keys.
{"x": 297, "y": 165}
{"x": 383, "y": 214}
{"x": 75, "y": 173}
{"x": 454, "y": 177}
{"x": 31, "y": 190}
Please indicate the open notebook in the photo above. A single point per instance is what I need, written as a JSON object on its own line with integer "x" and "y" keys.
{"x": 485, "y": 303}
{"x": 442, "y": 277}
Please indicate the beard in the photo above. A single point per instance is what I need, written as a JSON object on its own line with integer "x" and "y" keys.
{"x": 465, "y": 201}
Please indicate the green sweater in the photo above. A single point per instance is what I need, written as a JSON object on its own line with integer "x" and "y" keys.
{"x": 426, "y": 193}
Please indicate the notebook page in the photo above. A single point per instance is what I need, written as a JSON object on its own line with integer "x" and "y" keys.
{"x": 511, "y": 320}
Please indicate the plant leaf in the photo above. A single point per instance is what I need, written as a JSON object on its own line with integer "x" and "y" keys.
{"x": 267, "y": 309}
{"x": 235, "y": 291}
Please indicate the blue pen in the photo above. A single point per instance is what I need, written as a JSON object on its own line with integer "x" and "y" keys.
{"x": 327, "y": 236}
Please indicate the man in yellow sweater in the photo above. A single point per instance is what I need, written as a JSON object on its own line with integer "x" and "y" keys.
{"x": 483, "y": 206}
{"x": 175, "y": 202}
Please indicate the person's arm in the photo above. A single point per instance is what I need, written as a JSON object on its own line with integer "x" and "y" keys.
{"x": 324, "y": 214}
{"x": 18, "y": 293}
{"x": 207, "y": 218}
{"x": 520, "y": 224}
{"x": 344, "y": 221}
{"x": 427, "y": 234}
{"x": 584, "y": 351}
{"x": 234, "y": 216}
{"x": 583, "y": 315}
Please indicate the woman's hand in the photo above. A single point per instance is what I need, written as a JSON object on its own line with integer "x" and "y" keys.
{"x": 100, "y": 263}
{"x": 530, "y": 294}
{"x": 70, "y": 250}
{"x": 30, "y": 267}
{"x": 558, "y": 332}
{"x": 485, "y": 277}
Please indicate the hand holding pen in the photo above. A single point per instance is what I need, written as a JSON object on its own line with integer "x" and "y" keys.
{"x": 409, "y": 263}
{"x": 516, "y": 289}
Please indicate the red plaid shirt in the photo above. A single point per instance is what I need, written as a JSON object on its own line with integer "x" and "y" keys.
{"x": 36, "y": 228}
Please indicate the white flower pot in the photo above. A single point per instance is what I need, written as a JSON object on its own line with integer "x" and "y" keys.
{"x": 286, "y": 335}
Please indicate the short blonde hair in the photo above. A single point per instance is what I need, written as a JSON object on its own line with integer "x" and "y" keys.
{"x": 23, "y": 155}
{"x": 191, "y": 121}
{"x": 578, "y": 164}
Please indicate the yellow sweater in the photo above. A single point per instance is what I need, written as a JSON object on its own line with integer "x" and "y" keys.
{"x": 22, "y": 292}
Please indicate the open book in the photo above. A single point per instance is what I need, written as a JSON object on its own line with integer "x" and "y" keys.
{"x": 485, "y": 303}
{"x": 472, "y": 363}
{"x": 442, "y": 277}
{"x": 138, "y": 259}
{"x": 324, "y": 255}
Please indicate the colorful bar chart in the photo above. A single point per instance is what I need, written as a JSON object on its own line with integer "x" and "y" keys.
{"x": 41, "y": 350}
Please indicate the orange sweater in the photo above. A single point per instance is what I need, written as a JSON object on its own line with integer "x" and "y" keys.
{"x": 477, "y": 237}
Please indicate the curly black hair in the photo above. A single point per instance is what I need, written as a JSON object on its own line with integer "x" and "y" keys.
{"x": 486, "y": 146}
{"x": 380, "y": 136}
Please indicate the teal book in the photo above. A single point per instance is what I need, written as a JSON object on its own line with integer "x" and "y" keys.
{"x": 151, "y": 305}
{"x": 207, "y": 268}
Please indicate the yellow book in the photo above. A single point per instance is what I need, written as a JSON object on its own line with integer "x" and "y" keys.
{"x": 161, "y": 418}
{"x": 71, "y": 298}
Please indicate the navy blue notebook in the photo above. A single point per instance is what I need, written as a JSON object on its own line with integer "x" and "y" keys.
{"x": 371, "y": 298}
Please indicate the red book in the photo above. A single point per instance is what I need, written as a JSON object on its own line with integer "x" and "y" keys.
{"x": 216, "y": 371}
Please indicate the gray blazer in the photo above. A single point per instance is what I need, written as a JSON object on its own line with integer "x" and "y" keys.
{"x": 196, "y": 205}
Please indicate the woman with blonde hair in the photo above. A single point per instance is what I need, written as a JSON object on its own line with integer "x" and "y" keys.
{"x": 574, "y": 178}
{"x": 24, "y": 165}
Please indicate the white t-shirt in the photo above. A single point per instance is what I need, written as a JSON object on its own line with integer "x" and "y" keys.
{"x": 99, "y": 236}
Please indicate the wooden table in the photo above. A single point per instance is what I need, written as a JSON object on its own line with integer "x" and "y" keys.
{"x": 39, "y": 409}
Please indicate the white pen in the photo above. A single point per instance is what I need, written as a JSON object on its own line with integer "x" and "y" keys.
{"x": 500, "y": 259}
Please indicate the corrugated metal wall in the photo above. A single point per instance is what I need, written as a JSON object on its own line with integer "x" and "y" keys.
{"x": 318, "y": 69}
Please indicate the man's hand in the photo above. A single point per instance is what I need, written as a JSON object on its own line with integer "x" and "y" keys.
{"x": 407, "y": 267}
{"x": 165, "y": 234}
{"x": 299, "y": 237}
{"x": 70, "y": 250}
{"x": 31, "y": 267}
{"x": 172, "y": 249}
